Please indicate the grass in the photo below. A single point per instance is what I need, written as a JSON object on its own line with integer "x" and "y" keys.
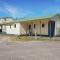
{"x": 28, "y": 38}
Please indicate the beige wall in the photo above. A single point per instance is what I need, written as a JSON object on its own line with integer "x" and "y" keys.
{"x": 39, "y": 29}
{"x": 44, "y": 30}
{"x": 23, "y": 28}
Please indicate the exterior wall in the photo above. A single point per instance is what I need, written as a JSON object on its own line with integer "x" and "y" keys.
{"x": 39, "y": 30}
{"x": 0, "y": 27}
{"x": 23, "y": 28}
{"x": 13, "y": 30}
{"x": 57, "y": 32}
{"x": 3, "y": 28}
{"x": 36, "y": 30}
{"x": 57, "y": 25}
{"x": 44, "y": 30}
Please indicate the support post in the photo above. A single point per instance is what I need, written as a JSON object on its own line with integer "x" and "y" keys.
{"x": 40, "y": 28}
{"x": 50, "y": 29}
{"x": 35, "y": 32}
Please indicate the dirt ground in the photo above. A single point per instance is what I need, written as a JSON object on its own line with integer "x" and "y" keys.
{"x": 28, "y": 50}
{"x": 27, "y": 38}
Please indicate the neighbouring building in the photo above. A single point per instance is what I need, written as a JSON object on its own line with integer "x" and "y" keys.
{"x": 46, "y": 26}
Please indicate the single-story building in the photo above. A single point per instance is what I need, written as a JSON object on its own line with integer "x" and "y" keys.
{"x": 47, "y": 26}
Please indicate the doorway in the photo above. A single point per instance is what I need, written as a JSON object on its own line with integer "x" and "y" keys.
{"x": 30, "y": 30}
{"x": 51, "y": 28}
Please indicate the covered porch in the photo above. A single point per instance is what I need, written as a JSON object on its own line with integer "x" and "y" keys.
{"x": 36, "y": 27}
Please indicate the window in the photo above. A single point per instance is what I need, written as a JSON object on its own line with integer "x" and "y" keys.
{"x": 43, "y": 25}
{"x": 15, "y": 25}
{"x": 34, "y": 26}
{"x": 10, "y": 26}
{"x": 29, "y": 26}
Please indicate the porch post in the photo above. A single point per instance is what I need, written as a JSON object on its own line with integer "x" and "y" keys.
{"x": 50, "y": 29}
{"x": 35, "y": 34}
{"x": 32, "y": 29}
{"x": 40, "y": 28}
{"x": 35, "y": 31}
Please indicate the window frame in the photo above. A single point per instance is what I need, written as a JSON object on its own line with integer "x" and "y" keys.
{"x": 14, "y": 25}
{"x": 43, "y": 25}
{"x": 10, "y": 26}
{"x": 34, "y": 26}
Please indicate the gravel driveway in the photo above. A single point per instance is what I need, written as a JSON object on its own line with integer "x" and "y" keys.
{"x": 31, "y": 50}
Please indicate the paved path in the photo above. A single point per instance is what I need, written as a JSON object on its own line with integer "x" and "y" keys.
{"x": 29, "y": 50}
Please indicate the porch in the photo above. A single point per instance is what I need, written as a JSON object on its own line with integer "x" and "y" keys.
{"x": 38, "y": 28}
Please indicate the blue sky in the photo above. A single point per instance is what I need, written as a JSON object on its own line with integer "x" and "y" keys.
{"x": 28, "y": 8}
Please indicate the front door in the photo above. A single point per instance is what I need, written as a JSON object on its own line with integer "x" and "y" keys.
{"x": 51, "y": 28}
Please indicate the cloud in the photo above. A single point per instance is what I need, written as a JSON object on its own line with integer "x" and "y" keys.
{"x": 14, "y": 11}
{"x": 10, "y": 9}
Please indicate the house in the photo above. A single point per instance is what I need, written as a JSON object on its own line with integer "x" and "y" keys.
{"x": 45, "y": 26}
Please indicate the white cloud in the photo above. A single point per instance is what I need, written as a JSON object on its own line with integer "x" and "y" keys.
{"x": 11, "y": 9}
{"x": 14, "y": 11}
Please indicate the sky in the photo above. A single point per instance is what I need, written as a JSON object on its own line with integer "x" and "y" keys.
{"x": 28, "y": 8}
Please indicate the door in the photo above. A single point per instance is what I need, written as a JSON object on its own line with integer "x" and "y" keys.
{"x": 51, "y": 28}
{"x": 30, "y": 30}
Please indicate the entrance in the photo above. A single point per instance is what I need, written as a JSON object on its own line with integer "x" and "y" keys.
{"x": 51, "y": 28}
{"x": 30, "y": 30}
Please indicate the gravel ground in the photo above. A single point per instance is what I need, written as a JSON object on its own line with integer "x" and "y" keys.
{"x": 32, "y": 50}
